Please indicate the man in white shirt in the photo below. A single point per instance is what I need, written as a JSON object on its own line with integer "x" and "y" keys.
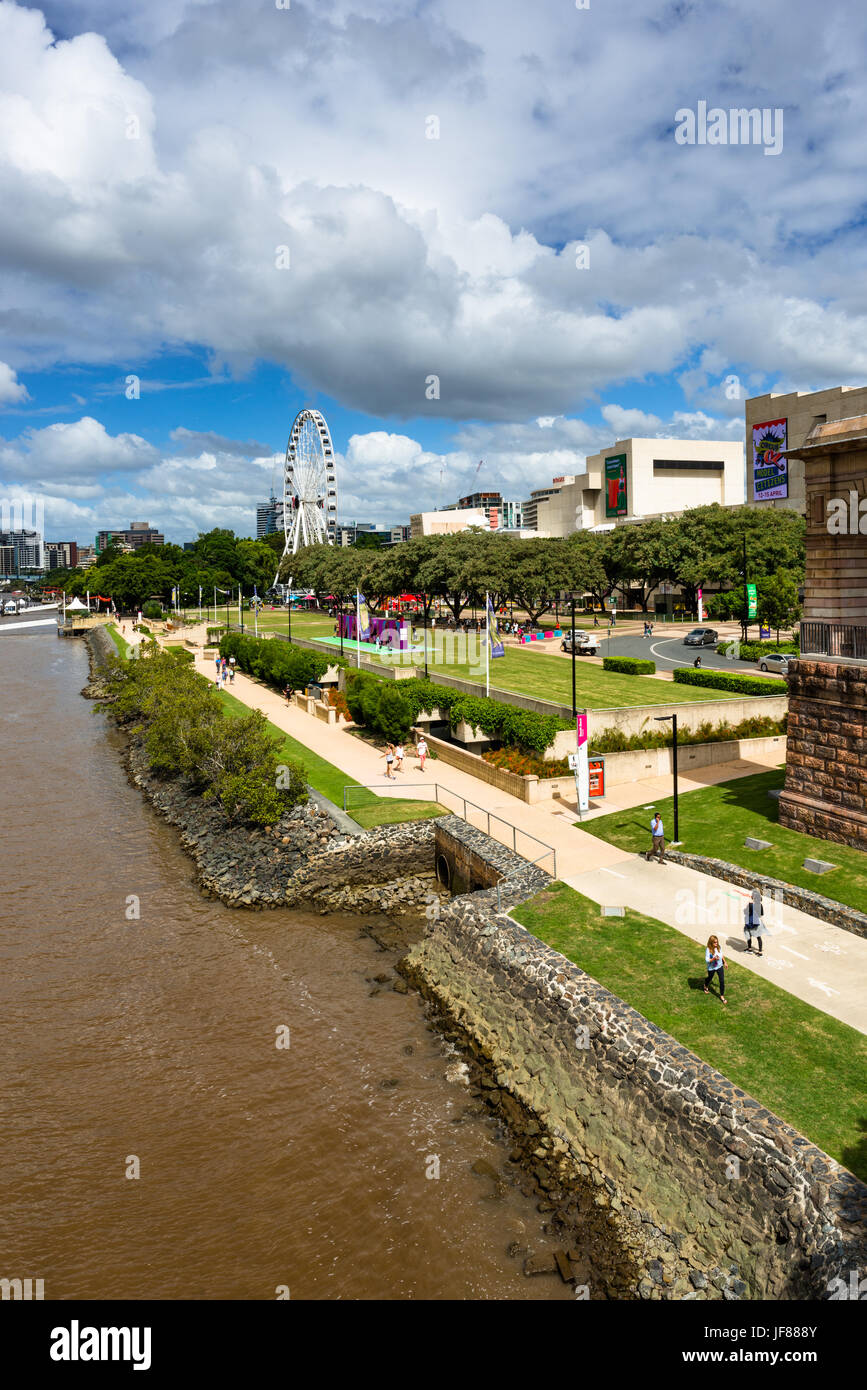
{"x": 658, "y": 833}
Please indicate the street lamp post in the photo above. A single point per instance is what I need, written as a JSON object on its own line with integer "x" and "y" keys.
{"x": 424, "y": 631}
{"x": 662, "y": 719}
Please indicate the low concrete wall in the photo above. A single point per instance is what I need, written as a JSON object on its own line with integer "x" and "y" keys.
{"x": 727, "y": 1180}
{"x": 327, "y": 713}
{"x": 815, "y": 904}
{"x": 619, "y": 767}
{"x": 634, "y": 720}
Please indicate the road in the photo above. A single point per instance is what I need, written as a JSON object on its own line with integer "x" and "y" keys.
{"x": 669, "y": 652}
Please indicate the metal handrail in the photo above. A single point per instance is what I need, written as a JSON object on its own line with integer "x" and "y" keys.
{"x": 437, "y": 788}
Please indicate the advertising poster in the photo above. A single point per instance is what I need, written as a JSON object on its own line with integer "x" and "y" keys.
{"x": 494, "y": 638}
{"x": 615, "y": 485}
{"x": 770, "y": 469}
{"x": 364, "y": 623}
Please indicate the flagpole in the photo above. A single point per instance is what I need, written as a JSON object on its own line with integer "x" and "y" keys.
{"x": 240, "y": 624}
{"x": 200, "y": 603}
{"x": 487, "y": 645}
{"x": 357, "y": 633}
{"x": 215, "y": 605}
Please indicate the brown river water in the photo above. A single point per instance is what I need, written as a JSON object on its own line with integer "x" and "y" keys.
{"x": 155, "y": 1039}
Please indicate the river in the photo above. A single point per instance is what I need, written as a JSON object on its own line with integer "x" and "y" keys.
{"x": 148, "y": 1043}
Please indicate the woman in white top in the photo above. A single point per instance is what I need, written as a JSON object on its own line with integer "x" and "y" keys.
{"x": 421, "y": 750}
{"x": 715, "y": 965}
{"x": 389, "y": 760}
{"x": 398, "y": 758}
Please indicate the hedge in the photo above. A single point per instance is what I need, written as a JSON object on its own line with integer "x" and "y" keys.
{"x": 613, "y": 740}
{"x": 754, "y": 651}
{"x": 507, "y": 724}
{"x": 738, "y": 685}
{"x": 629, "y": 665}
{"x": 276, "y": 662}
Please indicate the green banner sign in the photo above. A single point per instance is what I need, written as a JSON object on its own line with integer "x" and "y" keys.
{"x": 752, "y": 601}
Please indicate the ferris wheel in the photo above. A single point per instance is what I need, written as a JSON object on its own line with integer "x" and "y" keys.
{"x": 309, "y": 484}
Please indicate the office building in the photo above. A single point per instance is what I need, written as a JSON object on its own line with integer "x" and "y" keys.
{"x": 139, "y": 533}
{"x": 269, "y": 517}
{"x": 776, "y": 424}
{"x": 61, "y": 555}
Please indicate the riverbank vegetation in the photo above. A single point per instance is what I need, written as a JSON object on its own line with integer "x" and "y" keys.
{"x": 362, "y": 804}
{"x": 179, "y": 718}
{"x": 773, "y": 1045}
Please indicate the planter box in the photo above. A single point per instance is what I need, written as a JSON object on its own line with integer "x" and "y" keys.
{"x": 327, "y": 713}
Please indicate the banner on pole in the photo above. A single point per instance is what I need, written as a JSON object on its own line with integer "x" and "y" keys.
{"x": 494, "y": 637}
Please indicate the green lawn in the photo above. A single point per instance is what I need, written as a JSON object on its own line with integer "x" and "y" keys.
{"x": 364, "y": 807}
{"x": 123, "y": 647}
{"x": 716, "y": 820}
{"x": 802, "y": 1064}
{"x": 528, "y": 672}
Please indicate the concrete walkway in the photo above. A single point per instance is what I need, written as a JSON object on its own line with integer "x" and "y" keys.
{"x": 821, "y": 964}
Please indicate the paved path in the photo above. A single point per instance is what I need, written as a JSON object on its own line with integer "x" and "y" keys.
{"x": 821, "y": 964}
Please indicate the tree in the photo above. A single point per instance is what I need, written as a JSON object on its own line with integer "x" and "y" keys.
{"x": 778, "y": 604}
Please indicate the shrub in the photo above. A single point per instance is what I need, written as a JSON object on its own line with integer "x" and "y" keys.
{"x": 152, "y": 610}
{"x": 274, "y": 661}
{"x": 722, "y": 680}
{"x": 629, "y": 665}
{"x": 186, "y": 733}
{"x": 754, "y": 651}
{"x": 392, "y": 714}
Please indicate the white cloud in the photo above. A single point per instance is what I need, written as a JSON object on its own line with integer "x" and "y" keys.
{"x": 12, "y": 391}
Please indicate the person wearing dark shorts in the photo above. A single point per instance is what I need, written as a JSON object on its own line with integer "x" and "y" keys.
{"x": 657, "y": 831}
{"x": 716, "y": 965}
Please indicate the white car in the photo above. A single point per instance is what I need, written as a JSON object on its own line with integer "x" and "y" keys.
{"x": 775, "y": 661}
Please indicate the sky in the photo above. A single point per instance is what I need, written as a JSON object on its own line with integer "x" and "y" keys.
{"x": 215, "y": 213}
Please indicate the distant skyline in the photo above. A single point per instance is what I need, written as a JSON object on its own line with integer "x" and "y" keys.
{"x": 217, "y": 212}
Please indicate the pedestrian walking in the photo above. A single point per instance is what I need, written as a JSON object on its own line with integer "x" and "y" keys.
{"x": 231, "y": 670}
{"x": 595, "y": 619}
{"x": 657, "y": 831}
{"x": 754, "y": 911}
{"x": 217, "y": 662}
{"x": 421, "y": 750}
{"x": 398, "y": 757}
{"x": 389, "y": 761}
{"x": 716, "y": 965}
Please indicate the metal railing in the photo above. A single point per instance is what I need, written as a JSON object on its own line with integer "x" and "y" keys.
{"x": 439, "y": 791}
{"x": 834, "y": 639}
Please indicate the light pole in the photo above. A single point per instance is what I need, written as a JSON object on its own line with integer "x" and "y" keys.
{"x": 424, "y": 630}
{"x": 662, "y": 719}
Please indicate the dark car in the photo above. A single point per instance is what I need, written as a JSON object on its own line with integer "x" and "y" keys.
{"x": 701, "y": 637}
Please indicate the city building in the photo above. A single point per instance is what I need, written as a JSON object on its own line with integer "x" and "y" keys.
{"x": 498, "y": 511}
{"x": 540, "y": 498}
{"x": 23, "y": 549}
{"x": 637, "y": 479}
{"x": 139, "y": 533}
{"x": 86, "y": 556}
{"x": 776, "y": 425}
{"x": 269, "y": 517}
{"x": 449, "y": 522}
{"x": 61, "y": 555}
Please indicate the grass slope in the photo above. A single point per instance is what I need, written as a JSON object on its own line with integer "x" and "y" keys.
{"x": 364, "y": 807}
{"x": 716, "y": 820}
{"x": 805, "y": 1066}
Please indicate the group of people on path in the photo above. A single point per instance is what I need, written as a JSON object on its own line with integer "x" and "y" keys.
{"x": 395, "y": 753}
{"x": 225, "y": 670}
{"x": 754, "y": 911}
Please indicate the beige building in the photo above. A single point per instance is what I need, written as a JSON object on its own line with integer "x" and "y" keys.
{"x": 447, "y": 523}
{"x": 640, "y": 478}
{"x": 779, "y": 423}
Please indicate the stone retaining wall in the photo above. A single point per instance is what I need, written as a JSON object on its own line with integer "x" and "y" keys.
{"x": 731, "y": 1184}
{"x": 815, "y": 904}
{"x": 826, "y": 784}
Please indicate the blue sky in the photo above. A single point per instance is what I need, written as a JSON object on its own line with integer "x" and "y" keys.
{"x": 243, "y": 207}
